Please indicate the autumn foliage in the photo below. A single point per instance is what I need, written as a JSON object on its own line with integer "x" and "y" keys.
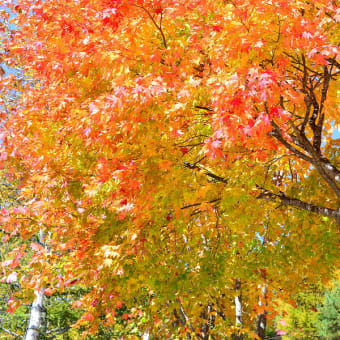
{"x": 169, "y": 148}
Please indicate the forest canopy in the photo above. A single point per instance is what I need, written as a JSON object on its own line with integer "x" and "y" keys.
{"x": 179, "y": 157}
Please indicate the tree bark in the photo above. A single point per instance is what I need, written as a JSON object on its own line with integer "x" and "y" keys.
{"x": 294, "y": 202}
{"x": 36, "y": 317}
{"x": 261, "y": 321}
{"x": 146, "y": 336}
{"x": 209, "y": 323}
{"x": 238, "y": 310}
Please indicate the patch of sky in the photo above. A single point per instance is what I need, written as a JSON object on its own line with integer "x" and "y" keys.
{"x": 11, "y": 27}
{"x": 10, "y": 97}
{"x": 7, "y": 10}
{"x": 336, "y": 134}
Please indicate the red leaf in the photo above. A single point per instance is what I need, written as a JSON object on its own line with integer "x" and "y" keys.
{"x": 49, "y": 291}
{"x": 119, "y": 304}
{"x": 88, "y": 316}
{"x": 36, "y": 246}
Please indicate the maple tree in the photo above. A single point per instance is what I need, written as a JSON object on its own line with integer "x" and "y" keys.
{"x": 176, "y": 153}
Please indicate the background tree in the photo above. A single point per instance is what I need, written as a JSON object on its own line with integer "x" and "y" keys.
{"x": 328, "y": 325}
{"x": 301, "y": 319}
{"x": 314, "y": 313}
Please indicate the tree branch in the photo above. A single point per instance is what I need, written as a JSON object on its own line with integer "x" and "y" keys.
{"x": 325, "y": 168}
{"x": 11, "y": 333}
{"x": 159, "y": 27}
{"x": 278, "y": 135}
{"x": 58, "y": 332}
{"x": 294, "y": 202}
{"x": 197, "y": 204}
{"x": 207, "y": 172}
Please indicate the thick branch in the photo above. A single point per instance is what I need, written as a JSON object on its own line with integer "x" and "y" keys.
{"x": 311, "y": 149}
{"x": 334, "y": 62}
{"x": 319, "y": 126}
{"x": 327, "y": 171}
{"x": 278, "y": 135}
{"x": 294, "y": 202}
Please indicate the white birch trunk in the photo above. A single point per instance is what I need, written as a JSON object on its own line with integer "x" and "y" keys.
{"x": 238, "y": 304}
{"x": 36, "y": 316}
{"x": 238, "y": 310}
{"x": 261, "y": 322}
{"x": 146, "y": 336}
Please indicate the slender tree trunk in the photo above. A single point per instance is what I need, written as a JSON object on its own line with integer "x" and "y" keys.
{"x": 36, "y": 316}
{"x": 261, "y": 321}
{"x": 209, "y": 323}
{"x": 238, "y": 309}
{"x": 261, "y": 324}
{"x": 146, "y": 336}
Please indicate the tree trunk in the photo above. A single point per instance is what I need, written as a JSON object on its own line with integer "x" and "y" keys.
{"x": 209, "y": 323}
{"x": 35, "y": 321}
{"x": 261, "y": 321}
{"x": 238, "y": 309}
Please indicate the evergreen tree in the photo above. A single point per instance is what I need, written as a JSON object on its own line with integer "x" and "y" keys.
{"x": 329, "y": 317}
